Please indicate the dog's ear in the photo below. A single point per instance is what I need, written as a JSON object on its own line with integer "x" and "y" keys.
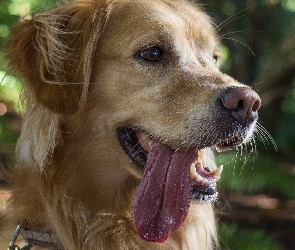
{"x": 53, "y": 53}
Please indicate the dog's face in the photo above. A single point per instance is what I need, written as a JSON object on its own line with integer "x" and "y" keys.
{"x": 156, "y": 100}
{"x": 165, "y": 100}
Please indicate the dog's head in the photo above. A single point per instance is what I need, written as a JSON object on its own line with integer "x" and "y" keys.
{"x": 136, "y": 87}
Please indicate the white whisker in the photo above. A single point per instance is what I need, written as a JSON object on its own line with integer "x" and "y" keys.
{"x": 229, "y": 20}
{"x": 232, "y": 18}
{"x": 227, "y": 38}
{"x": 233, "y": 32}
{"x": 262, "y": 132}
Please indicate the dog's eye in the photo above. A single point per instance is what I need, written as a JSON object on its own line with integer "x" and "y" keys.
{"x": 215, "y": 57}
{"x": 151, "y": 54}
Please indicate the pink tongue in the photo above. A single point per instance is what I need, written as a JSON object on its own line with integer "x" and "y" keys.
{"x": 163, "y": 197}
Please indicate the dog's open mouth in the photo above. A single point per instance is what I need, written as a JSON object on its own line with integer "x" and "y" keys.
{"x": 171, "y": 179}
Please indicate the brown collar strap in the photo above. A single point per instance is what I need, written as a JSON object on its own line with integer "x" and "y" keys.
{"x": 35, "y": 235}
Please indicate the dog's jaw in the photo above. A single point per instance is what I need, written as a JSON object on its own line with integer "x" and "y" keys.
{"x": 137, "y": 145}
{"x": 171, "y": 179}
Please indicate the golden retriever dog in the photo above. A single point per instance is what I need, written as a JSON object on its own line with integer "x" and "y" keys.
{"x": 124, "y": 101}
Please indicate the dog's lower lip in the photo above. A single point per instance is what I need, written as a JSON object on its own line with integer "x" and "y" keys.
{"x": 204, "y": 193}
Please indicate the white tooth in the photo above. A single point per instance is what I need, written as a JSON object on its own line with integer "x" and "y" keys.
{"x": 199, "y": 178}
{"x": 200, "y": 162}
{"x": 218, "y": 171}
{"x": 193, "y": 170}
{"x": 204, "y": 181}
{"x": 218, "y": 149}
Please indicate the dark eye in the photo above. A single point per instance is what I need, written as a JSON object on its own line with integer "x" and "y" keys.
{"x": 151, "y": 54}
{"x": 215, "y": 57}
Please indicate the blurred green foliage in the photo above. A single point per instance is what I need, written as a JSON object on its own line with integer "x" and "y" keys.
{"x": 10, "y": 87}
{"x": 233, "y": 237}
{"x": 258, "y": 48}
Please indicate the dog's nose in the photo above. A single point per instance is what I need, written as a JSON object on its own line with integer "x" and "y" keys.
{"x": 243, "y": 102}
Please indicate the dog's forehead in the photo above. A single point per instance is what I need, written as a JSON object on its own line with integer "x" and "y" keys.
{"x": 132, "y": 20}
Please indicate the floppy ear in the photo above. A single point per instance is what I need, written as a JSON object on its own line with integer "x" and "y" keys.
{"x": 54, "y": 51}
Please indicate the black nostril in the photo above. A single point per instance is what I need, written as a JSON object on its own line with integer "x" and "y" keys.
{"x": 242, "y": 102}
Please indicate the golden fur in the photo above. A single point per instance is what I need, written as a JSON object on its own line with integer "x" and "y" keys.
{"x": 83, "y": 82}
